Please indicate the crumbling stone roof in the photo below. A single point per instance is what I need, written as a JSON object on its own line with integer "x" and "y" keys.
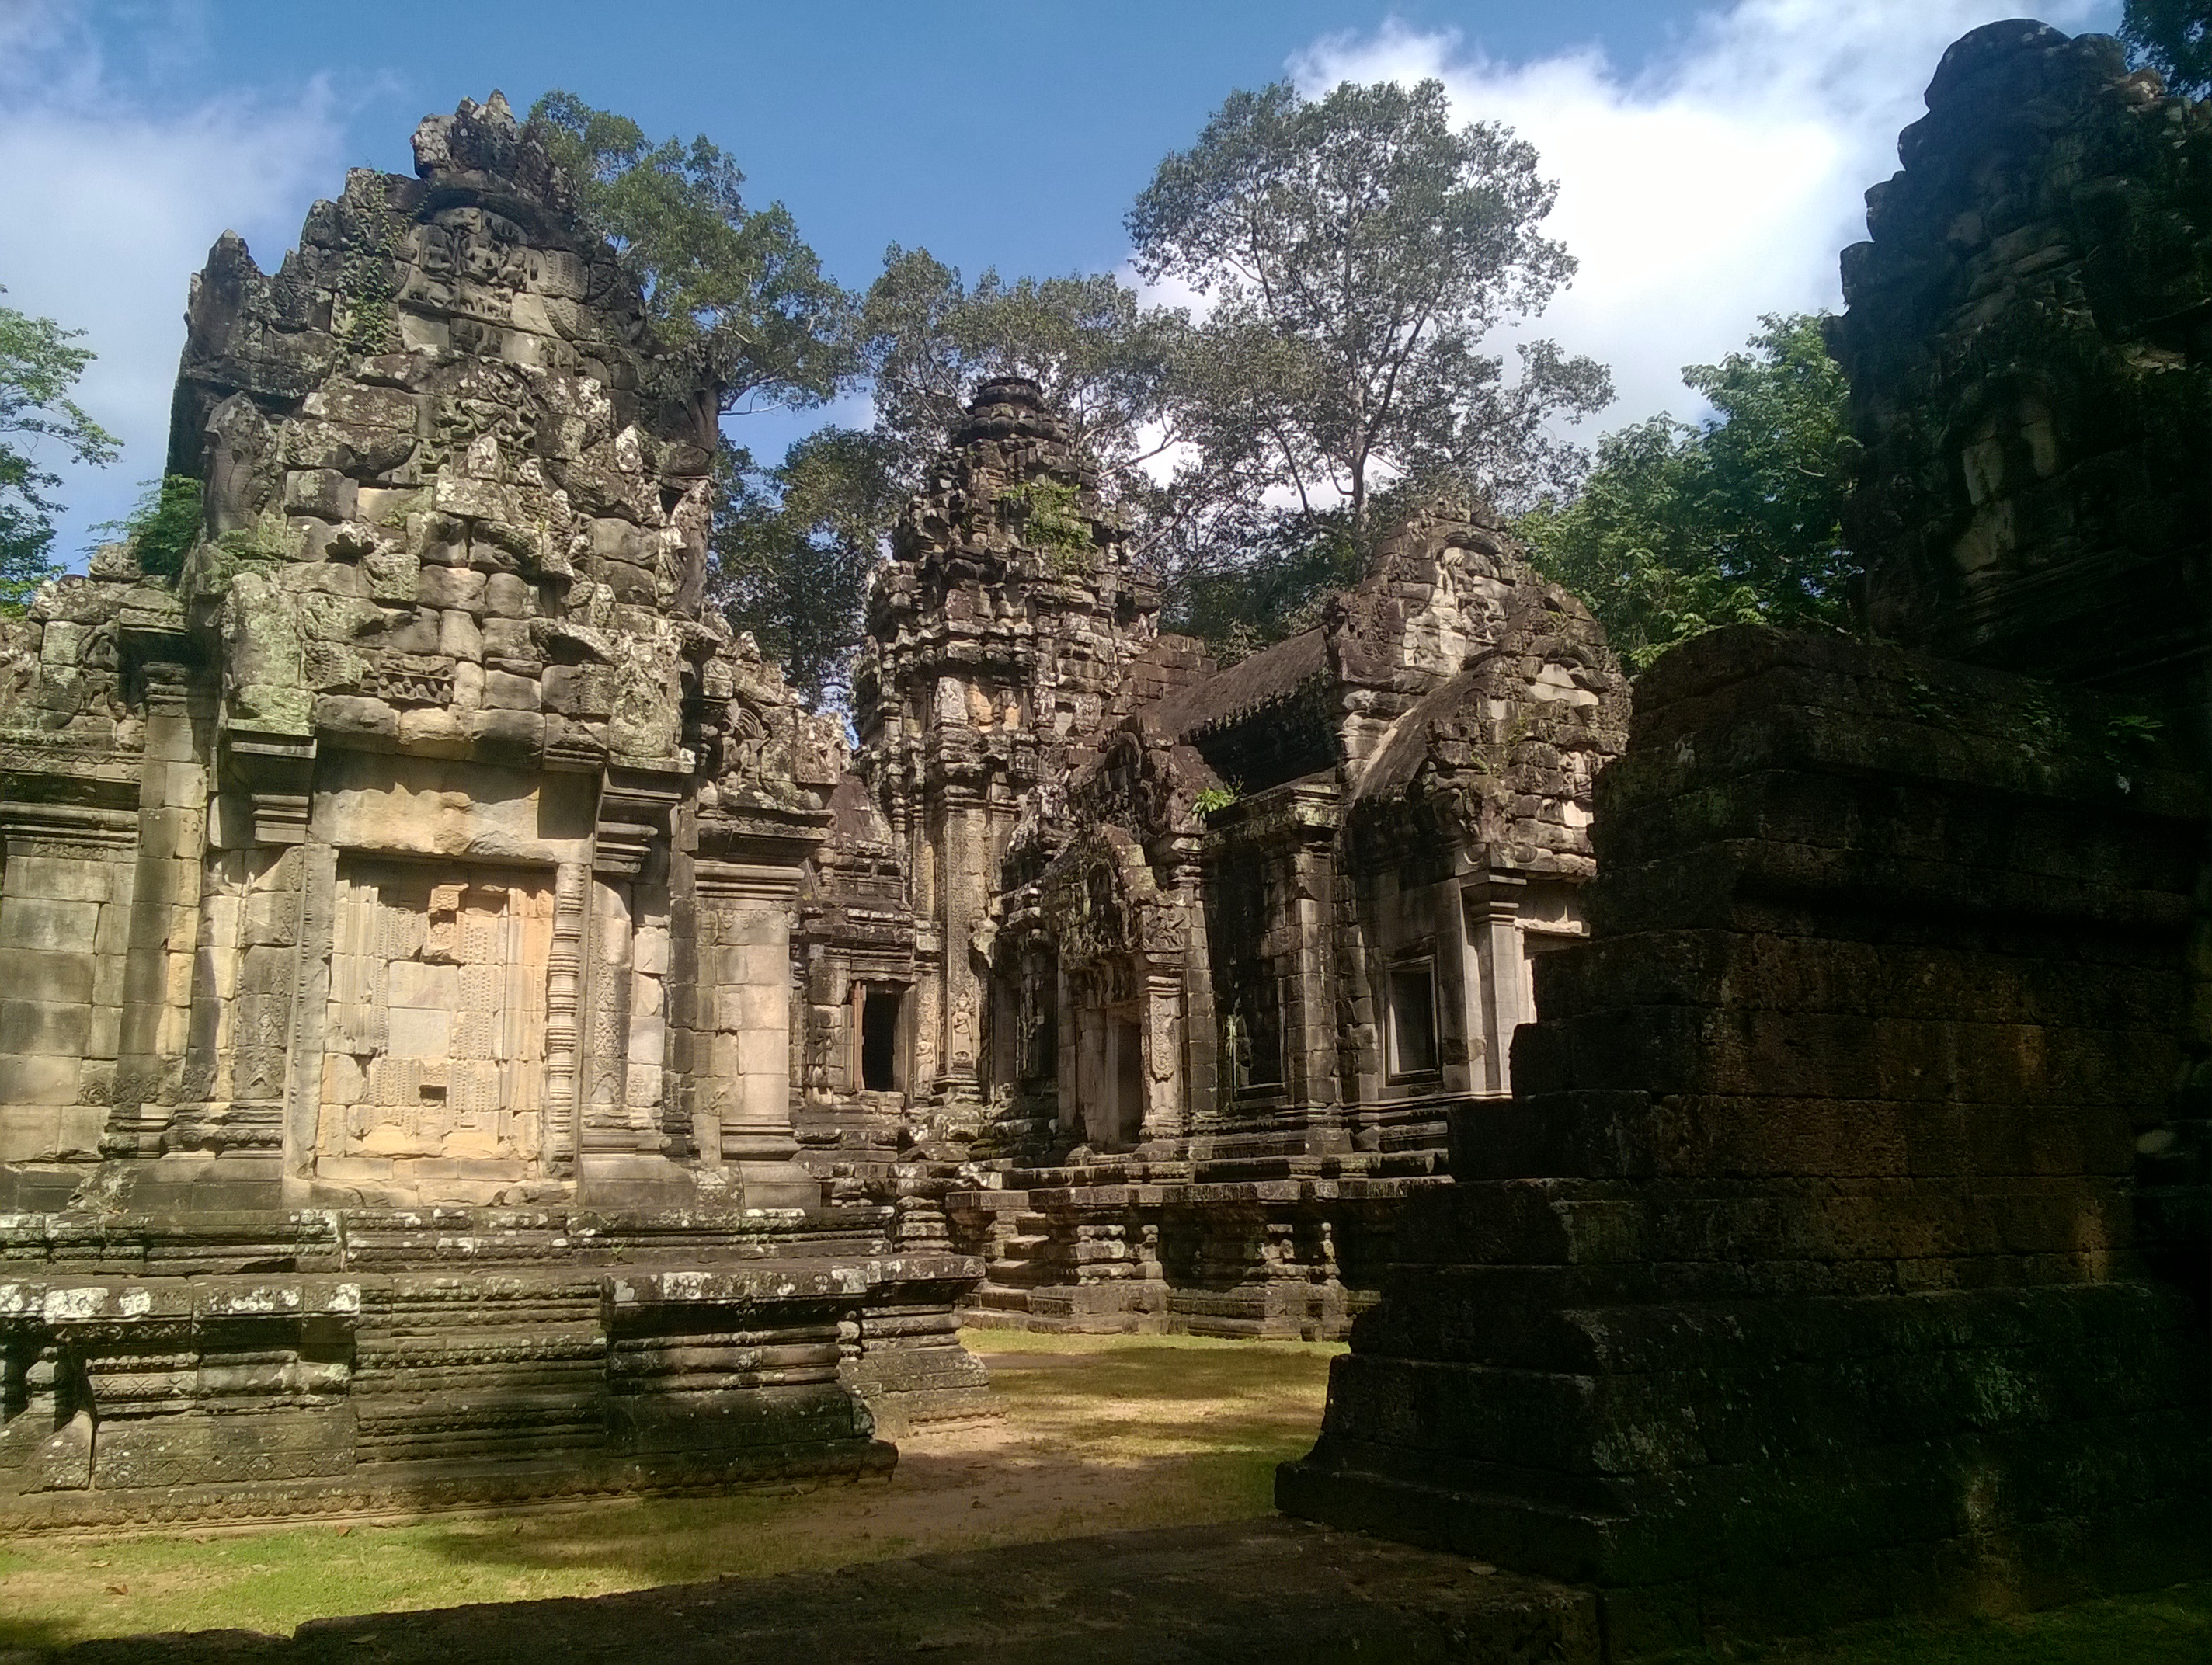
{"x": 1274, "y": 674}
{"x": 456, "y": 500}
{"x": 2031, "y": 370}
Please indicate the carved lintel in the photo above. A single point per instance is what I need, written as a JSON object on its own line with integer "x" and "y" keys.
{"x": 84, "y": 831}
{"x": 780, "y": 839}
{"x": 236, "y": 1126}
{"x": 736, "y": 881}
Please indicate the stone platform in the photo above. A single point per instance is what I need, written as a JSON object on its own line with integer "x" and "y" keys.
{"x": 1292, "y": 1257}
{"x": 1274, "y": 1590}
{"x": 257, "y": 1367}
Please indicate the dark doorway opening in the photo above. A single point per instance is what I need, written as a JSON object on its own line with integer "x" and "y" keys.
{"x": 880, "y": 1026}
{"x": 1128, "y": 1084}
{"x": 1413, "y": 1020}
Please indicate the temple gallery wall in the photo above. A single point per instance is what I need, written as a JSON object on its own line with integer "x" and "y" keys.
{"x": 468, "y": 1032}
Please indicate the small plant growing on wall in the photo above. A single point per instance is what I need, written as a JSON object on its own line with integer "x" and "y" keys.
{"x": 162, "y": 525}
{"x": 1048, "y": 516}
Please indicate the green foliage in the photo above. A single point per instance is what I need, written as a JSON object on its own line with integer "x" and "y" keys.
{"x": 1681, "y": 529}
{"x": 1102, "y": 360}
{"x": 738, "y": 283}
{"x": 38, "y": 368}
{"x": 793, "y": 546}
{"x": 1357, "y": 250}
{"x": 162, "y": 525}
{"x": 2175, "y": 37}
{"x": 1286, "y": 568}
{"x": 2134, "y": 728}
{"x": 1210, "y": 798}
{"x": 1048, "y": 515}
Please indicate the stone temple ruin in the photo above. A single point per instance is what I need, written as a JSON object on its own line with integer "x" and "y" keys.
{"x": 395, "y": 1076}
{"x": 434, "y": 934}
{"x": 1833, "y": 1257}
{"x": 467, "y": 1033}
{"x": 1150, "y": 983}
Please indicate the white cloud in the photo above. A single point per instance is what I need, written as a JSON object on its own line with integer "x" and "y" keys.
{"x": 108, "y": 203}
{"x": 1719, "y": 184}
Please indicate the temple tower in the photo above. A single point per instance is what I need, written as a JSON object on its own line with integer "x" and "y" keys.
{"x": 999, "y": 634}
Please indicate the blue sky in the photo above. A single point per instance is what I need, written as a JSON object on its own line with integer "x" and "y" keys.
{"x": 1711, "y": 157}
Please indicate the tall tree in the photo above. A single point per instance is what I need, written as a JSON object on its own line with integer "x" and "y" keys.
{"x": 37, "y": 367}
{"x": 795, "y": 544}
{"x": 2175, "y": 36}
{"x": 1681, "y": 528}
{"x": 738, "y": 282}
{"x": 794, "y": 547}
{"x": 1357, "y": 250}
{"x": 1103, "y": 359}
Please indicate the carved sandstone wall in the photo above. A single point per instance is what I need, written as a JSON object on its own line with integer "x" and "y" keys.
{"x": 395, "y": 1058}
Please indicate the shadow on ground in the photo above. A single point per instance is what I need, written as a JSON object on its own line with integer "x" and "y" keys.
{"x": 1100, "y": 1434}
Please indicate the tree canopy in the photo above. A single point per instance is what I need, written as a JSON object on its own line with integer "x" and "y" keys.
{"x": 38, "y": 366}
{"x": 2175, "y": 36}
{"x": 1357, "y": 250}
{"x": 1103, "y": 360}
{"x": 794, "y": 547}
{"x": 1681, "y": 528}
{"x": 1354, "y": 251}
{"x": 738, "y": 282}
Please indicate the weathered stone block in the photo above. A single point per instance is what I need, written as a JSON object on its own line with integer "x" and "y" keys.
{"x": 457, "y": 635}
{"x": 514, "y": 733}
{"x": 433, "y": 729}
{"x": 38, "y": 1080}
{"x": 451, "y": 587}
{"x": 507, "y": 639}
{"x": 62, "y": 976}
{"x": 322, "y": 492}
{"x": 478, "y": 500}
{"x": 36, "y": 1027}
{"x": 510, "y": 692}
{"x": 507, "y": 596}
{"x": 46, "y": 924}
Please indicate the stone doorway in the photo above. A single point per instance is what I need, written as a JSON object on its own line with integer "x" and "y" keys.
{"x": 881, "y": 1063}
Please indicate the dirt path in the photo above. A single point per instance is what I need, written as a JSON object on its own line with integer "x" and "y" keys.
{"x": 1100, "y": 1434}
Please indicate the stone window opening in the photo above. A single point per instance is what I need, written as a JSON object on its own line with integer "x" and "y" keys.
{"x": 880, "y": 1062}
{"x": 1411, "y": 1034}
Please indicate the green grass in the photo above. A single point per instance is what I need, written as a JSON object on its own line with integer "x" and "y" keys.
{"x": 1101, "y": 1433}
{"x": 2163, "y": 1627}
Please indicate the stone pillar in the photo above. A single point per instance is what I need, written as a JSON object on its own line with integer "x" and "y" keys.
{"x": 303, "y": 1090}
{"x": 1309, "y": 1010}
{"x": 744, "y": 1011}
{"x": 964, "y": 889}
{"x": 164, "y": 916}
{"x": 247, "y": 978}
{"x": 1068, "y": 1049}
{"x": 1162, "y": 1124}
{"x": 621, "y": 1154}
{"x": 1496, "y": 993}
